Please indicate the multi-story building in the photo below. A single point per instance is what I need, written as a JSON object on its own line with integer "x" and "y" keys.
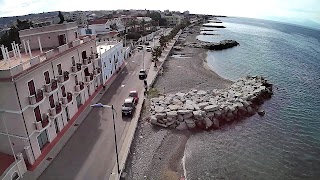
{"x": 112, "y": 56}
{"x": 104, "y": 26}
{"x": 80, "y": 18}
{"x": 174, "y": 20}
{"x": 43, "y": 84}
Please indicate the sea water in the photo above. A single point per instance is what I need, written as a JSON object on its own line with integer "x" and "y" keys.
{"x": 285, "y": 143}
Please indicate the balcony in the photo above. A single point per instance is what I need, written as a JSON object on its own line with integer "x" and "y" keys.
{"x": 97, "y": 72}
{"x": 36, "y": 99}
{"x": 43, "y": 124}
{"x": 63, "y": 78}
{"x": 55, "y": 111}
{"x": 88, "y": 78}
{"x": 51, "y": 88}
{"x": 75, "y": 69}
{"x": 79, "y": 87}
{"x": 95, "y": 58}
{"x": 67, "y": 99}
{"x": 87, "y": 62}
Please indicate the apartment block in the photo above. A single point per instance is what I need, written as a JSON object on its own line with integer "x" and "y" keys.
{"x": 112, "y": 56}
{"x": 43, "y": 82}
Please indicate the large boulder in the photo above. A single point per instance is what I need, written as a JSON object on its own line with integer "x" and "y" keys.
{"x": 182, "y": 126}
{"x": 184, "y": 111}
{"x": 174, "y": 107}
{"x": 180, "y": 118}
{"x": 172, "y": 114}
{"x": 153, "y": 119}
{"x": 189, "y": 106}
{"x": 210, "y": 114}
{"x": 203, "y": 105}
{"x": 207, "y": 122}
{"x": 188, "y": 115}
{"x": 211, "y": 108}
{"x": 201, "y": 93}
{"x": 159, "y": 109}
{"x": 190, "y": 123}
{"x": 216, "y": 123}
{"x": 160, "y": 115}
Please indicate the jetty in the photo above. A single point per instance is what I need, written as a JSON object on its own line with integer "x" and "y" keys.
{"x": 210, "y": 109}
{"x": 224, "y": 44}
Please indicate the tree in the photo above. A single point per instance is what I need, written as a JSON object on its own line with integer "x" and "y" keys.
{"x": 60, "y": 15}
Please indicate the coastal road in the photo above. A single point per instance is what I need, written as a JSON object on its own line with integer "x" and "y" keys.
{"x": 90, "y": 152}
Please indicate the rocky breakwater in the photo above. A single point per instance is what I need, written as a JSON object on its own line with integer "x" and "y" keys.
{"x": 224, "y": 44}
{"x": 210, "y": 109}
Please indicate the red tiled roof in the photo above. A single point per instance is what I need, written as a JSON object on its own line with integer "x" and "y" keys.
{"x": 5, "y": 161}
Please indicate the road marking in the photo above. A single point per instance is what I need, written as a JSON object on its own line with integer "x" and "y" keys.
{"x": 122, "y": 85}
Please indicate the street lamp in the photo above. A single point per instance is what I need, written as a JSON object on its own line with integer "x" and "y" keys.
{"x": 100, "y": 105}
{"x": 125, "y": 40}
{"x": 9, "y": 139}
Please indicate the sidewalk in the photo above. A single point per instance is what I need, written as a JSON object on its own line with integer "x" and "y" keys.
{"x": 152, "y": 76}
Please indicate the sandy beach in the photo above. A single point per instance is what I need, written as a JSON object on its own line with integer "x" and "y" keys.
{"x": 156, "y": 153}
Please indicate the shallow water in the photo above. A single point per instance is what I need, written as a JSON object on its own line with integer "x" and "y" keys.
{"x": 285, "y": 143}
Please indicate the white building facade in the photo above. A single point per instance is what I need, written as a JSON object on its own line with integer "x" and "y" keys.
{"x": 112, "y": 58}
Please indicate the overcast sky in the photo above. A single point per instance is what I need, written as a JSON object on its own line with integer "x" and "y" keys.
{"x": 304, "y": 12}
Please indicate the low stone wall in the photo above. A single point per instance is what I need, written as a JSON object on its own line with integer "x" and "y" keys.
{"x": 208, "y": 109}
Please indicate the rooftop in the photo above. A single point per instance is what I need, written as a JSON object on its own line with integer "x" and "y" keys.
{"x": 6, "y": 160}
{"x": 16, "y": 65}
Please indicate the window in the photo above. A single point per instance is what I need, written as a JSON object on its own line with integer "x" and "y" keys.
{"x": 76, "y": 34}
{"x": 106, "y": 76}
{"x": 63, "y": 91}
{"x": 59, "y": 69}
{"x": 73, "y": 61}
{"x": 46, "y": 77}
{"x": 15, "y": 176}
{"x": 104, "y": 64}
{"x": 37, "y": 113}
{"x": 32, "y": 89}
{"x": 51, "y": 101}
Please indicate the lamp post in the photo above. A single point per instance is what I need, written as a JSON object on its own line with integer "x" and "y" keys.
{"x": 9, "y": 139}
{"x": 100, "y": 105}
{"x": 125, "y": 40}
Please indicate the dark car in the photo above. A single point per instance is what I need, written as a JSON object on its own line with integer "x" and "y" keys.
{"x": 128, "y": 106}
{"x": 142, "y": 74}
{"x": 146, "y": 43}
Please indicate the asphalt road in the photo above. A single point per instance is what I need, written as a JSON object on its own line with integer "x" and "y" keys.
{"x": 90, "y": 152}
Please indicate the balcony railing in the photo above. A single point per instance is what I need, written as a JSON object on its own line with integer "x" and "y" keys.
{"x": 36, "y": 98}
{"x": 43, "y": 123}
{"x": 96, "y": 71}
{"x": 87, "y": 62}
{"x": 76, "y": 68}
{"x": 63, "y": 77}
{"x": 49, "y": 88}
{"x": 66, "y": 99}
{"x": 79, "y": 87}
{"x": 88, "y": 78}
{"x": 56, "y": 110}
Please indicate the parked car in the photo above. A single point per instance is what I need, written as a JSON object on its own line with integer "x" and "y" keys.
{"x": 128, "y": 106}
{"x": 142, "y": 74}
{"x": 140, "y": 47}
{"x": 146, "y": 43}
{"x": 149, "y": 48}
{"x": 135, "y": 96}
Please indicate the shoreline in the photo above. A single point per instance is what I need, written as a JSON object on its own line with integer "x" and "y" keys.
{"x": 157, "y": 153}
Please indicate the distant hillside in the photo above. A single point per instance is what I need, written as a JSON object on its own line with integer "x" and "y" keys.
{"x": 10, "y": 20}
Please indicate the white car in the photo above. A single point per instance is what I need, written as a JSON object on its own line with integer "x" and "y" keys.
{"x": 140, "y": 47}
{"x": 149, "y": 48}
